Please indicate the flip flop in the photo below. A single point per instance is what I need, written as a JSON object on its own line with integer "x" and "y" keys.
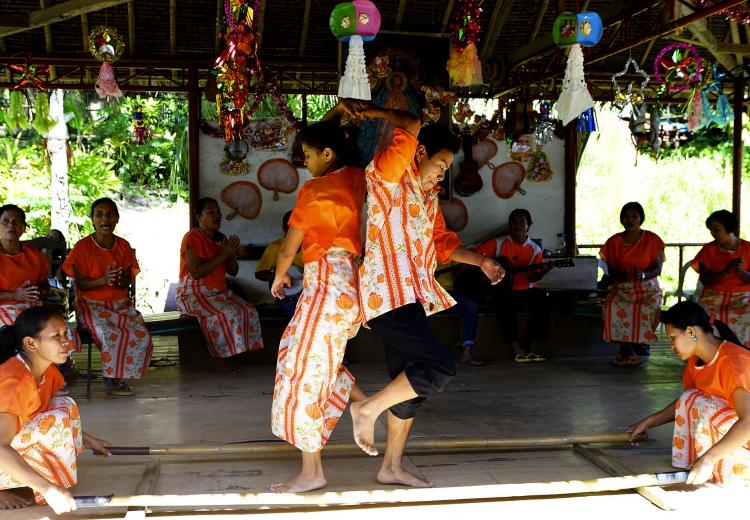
{"x": 522, "y": 358}
{"x": 536, "y": 357}
{"x": 474, "y": 362}
{"x": 629, "y": 361}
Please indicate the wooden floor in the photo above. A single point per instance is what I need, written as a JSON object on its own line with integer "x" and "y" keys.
{"x": 566, "y": 396}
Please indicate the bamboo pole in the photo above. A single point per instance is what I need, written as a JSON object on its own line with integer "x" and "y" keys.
{"x": 381, "y": 496}
{"x": 341, "y": 448}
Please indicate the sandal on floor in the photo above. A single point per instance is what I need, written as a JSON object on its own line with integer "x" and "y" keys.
{"x": 522, "y": 358}
{"x": 628, "y": 361}
{"x": 474, "y": 362}
{"x": 162, "y": 362}
{"x": 536, "y": 357}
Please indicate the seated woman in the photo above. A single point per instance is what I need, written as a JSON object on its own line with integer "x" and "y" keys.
{"x": 229, "y": 324}
{"x": 631, "y": 310}
{"x": 40, "y": 434}
{"x": 104, "y": 266}
{"x": 23, "y": 269}
{"x": 724, "y": 269}
{"x": 712, "y": 416}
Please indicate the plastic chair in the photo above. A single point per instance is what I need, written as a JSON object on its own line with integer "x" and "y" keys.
{"x": 680, "y": 292}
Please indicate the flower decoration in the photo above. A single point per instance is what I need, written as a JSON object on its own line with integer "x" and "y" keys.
{"x": 106, "y": 44}
{"x": 462, "y": 112}
{"x": 30, "y": 74}
{"x": 678, "y": 67}
{"x": 464, "y": 67}
{"x": 539, "y": 168}
{"x": 623, "y": 99}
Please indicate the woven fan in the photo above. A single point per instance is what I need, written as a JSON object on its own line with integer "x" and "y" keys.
{"x": 278, "y": 175}
{"x": 244, "y": 199}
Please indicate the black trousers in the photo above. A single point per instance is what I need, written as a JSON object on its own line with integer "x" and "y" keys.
{"x": 411, "y": 347}
{"x": 508, "y": 303}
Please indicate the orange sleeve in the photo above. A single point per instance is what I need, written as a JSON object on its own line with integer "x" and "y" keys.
{"x": 391, "y": 163}
{"x": 657, "y": 246}
{"x": 9, "y": 395}
{"x": 130, "y": 259}
{"x": 71, "y": 260}
{"x": 605, "y": 250}
{"x": 488, "y": 248}
{"x": 740, "y": 368}
{"x": 301, "y": 214}
{"x": 687, "y": 376}
{"x": 537, "y": 258}
{"x": 702, "y": 257}
{"x": 445, "y": 241}
{"x": 192, "y": 241}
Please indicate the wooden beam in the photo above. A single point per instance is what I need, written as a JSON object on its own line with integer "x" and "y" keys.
{"x": 261, "y": 16}
{"x": 733, "y": 48}
{"x": 172, "y": 26}
{"x": 648, "y": 50}
{"x": 85, "y": 38}
{"x": 305, "y": 28}
{"x": 44, "y": 4}
{"x": 500, "y": 15}
{"x": 447, "y": 15}
{"x": 702, "y": 33}
{"x": 131, "y": 27}
{"x": 400, "y": 14}
{"x": 571, "y": 169}
{"x": 737, "y": 147}
{"x": 60, "y": 12}
{"x": 539, "y": 18}
{"x": 219, "y": 25}
{"x": 194, "y": 117}
{"x": 734, "y": 30}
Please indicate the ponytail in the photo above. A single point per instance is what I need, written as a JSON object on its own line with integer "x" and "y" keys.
{"x": 29, "y": 323}
{"x": 690, "y": 314}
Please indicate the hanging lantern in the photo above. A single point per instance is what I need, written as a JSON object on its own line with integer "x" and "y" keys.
{"x": 583, "y": 28}
{"x": 139, "y": 125}
{"x": 355, "y": 22}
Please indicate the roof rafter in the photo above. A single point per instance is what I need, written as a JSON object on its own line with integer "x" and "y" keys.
{"x": 60, "y": 12}
{"x": 539, "y": 18}
{"x": 447, "y": 15}
{"x": 499, "y": 16}
{"x": 305, "y": 26}
{"x": 400, "y": 14}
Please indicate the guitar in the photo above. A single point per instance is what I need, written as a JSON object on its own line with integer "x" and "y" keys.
{"x": 507, "y": 281}
{"x": 468, "y": 182}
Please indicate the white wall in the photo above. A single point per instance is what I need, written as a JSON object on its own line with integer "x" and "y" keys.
{"x": 487, "y": 212}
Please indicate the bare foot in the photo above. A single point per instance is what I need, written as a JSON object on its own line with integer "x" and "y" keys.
{"x": 364, "y": 428}
{"x": 402, "y": 477}
{"x": 299, "y": 484}
{"x": 9, "y": 500}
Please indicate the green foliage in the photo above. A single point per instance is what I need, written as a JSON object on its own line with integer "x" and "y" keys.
{"x": 317, "y": 105}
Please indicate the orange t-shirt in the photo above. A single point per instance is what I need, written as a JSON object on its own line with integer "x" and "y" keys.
{"x": 632, "y": 257}
{"x": 518, "y": 254}
{"x": 19, "y": 393}
{"x": 329, "y": 213}
{"x": 728, "y": 371}
{"x": 92, "y": 261}
{"x": 714, "y": 259}
{"x": 28, "y": 265}
{"x": 206, "y": 249}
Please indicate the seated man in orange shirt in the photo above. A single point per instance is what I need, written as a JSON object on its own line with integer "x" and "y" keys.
{"x": 519, "y": 251}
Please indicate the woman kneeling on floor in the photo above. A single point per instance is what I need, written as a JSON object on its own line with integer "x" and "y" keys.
{"x": 40, "y": 434}
{"x": 712, "y": 416}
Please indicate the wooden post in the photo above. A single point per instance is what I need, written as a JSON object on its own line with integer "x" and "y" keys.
{"x": 194, "y": 112}
{"x": 739, "y": 103}
{"x": 571, "y": 166}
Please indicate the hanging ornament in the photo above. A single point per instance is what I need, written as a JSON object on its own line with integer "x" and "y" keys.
{"x": 587, "y": 121}
{"x": 697, "y": 117}
{"x": 30, "y": 74}
{"x": 139, "y": 125}
{"x": 234, "y": 162}
{"x": 678, "y": 67}
{"x": 740, "y": 13}
{"x": 583, "y": 28}
{"x": 42, "y": 122}
{"x": 629, "y": 97}
{"x": 723, "y": 114}
{"x": 644, "y": 129}
{"x": 355, "y": 22}
{"x": 435, "y": 97}
{"x": 16, "y": 116}
{"x": 106, "y": 45}
{"x": 464, "y": 67}
{"x": 539, "y": 169}
{"x": 545, "y": 126}
{"x": 574, "y": 98}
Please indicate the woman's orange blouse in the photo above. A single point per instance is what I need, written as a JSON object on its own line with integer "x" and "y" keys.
{"x": 329, "y": 213}
{"x": 19, "y": 393}
{"x": 632, "y": 257}
{"x": 92, "y": 261}
{"x": 728, "y": 371}
{"x": 206, "y": 249}
{"x": 28, "y": 265}
{"x": 715, "y": 259}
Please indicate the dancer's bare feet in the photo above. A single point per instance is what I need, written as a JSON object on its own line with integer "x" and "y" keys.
{"x": 363, "y": 423}
{"x": 10, "y": 500}
{"x": 302, "y": 483}
{"x": 400, "y": 476}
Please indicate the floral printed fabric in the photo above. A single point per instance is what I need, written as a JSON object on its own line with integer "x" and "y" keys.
{"x": 700, "y": 421}
{"x": 631, "y": 311}
{"x": 230, "y": 325}
{"x": 120, "y": 333}
{"x": 312, "y": 387}
{"x": 733, "y": 308}
{"x": 50, "y": 443}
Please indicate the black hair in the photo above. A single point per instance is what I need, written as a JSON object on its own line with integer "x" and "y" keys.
{"x": 28, "y": 323}
{"x": 13, "y": 207}
{"x": 689, "y": 314}
{"x": 726, "y": 218}
{"x": 328, "y": 134}
{"x": 202, "y": 203}
{"x": 59, "y": 233}
{"x": 285, "y": 220}
{"x": 635, "y": 206}
{"x": 521, "y": 211}
{"x": 436, "y": 137}
{"x": 104, "y": 200}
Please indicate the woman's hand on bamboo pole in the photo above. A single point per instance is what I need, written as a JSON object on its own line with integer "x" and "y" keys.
{"x": 98, "y": 446}
{"x": 59, "y": 499}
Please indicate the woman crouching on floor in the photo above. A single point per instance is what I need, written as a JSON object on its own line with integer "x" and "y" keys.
{"x": 40, "y": 434}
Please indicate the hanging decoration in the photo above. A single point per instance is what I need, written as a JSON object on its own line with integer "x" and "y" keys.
{"x": 355, "y": 22}
{"x": 435, "y": 97}
{"x": 378, "y": 69}
{"x": 644, "y": 129}
{"x": 243, "y": 198}
{"x": 722, "y": 114}
{"x": 30, "y": 74}
{"x": 42, "y": 122}
{"x": 545, "y": 126}
{"x": 139, "y": 125}
{"x": 740, "y": 13}
{"x": 539, "y": 169}
{"x": 279, "y": 176}
{"x": 106, "y": 45}
{"x": 16, "y": 116}
{"x": 582, "y": 28}
{"x": 464, "y": 67}
{"x": 507, "y": 179}
{"x": 520, "y": 151}
{"x": 629, "y": 97}
{"x": 677, "y": 67}
{"x": 234, "y": 162}
{"x": 587, "y": 121}
{"x": 574, "y": 98}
